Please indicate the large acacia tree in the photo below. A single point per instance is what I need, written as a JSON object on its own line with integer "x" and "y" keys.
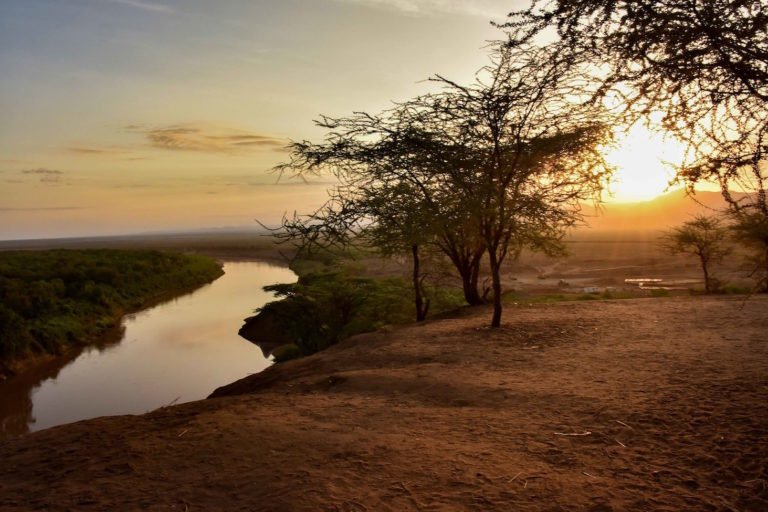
{"x": 528, "y": 146}
{"x": 492, "y": 167}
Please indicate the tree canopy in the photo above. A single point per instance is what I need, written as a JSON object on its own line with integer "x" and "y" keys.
{"x": 490, "y": 167}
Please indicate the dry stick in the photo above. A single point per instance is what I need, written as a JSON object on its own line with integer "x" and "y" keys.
{"x": 182, "y": 433}
{"x": 587, "y": 474}
{"x": 622, "y": 423}
{"x": 622, "y": 444}
{"x": 515, "y": 477}
{"x": 574, "y": 434}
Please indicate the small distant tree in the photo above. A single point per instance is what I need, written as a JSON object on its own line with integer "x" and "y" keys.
{"x": 703, "y": 237}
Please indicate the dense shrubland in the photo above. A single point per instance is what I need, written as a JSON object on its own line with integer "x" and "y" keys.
{"x": 50, "y": 300}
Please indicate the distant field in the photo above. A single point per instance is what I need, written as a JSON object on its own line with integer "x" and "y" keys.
{"x": 50, "y": 300}
{"x": 225, "y": 245}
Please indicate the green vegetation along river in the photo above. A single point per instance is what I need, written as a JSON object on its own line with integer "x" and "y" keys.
{"x": 176, "y": 351}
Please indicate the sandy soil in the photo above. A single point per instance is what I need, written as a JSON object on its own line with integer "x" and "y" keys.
{"x": 641, "y": 405}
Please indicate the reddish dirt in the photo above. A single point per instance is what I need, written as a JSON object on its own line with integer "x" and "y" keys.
{"x": 641, "y": 405}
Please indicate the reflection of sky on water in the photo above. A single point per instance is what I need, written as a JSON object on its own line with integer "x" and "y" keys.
{"x": 182, "y": 349}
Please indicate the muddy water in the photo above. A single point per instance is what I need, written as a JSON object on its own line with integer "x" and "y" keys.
{"x": 177, "y": 351}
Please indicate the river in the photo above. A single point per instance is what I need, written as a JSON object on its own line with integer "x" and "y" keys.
{"x": 175, "y": 352}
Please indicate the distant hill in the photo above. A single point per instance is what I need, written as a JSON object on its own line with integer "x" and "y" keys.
{"x": 650, "y": 217}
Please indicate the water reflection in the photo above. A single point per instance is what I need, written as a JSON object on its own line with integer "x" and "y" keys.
{"x": 180, "y": 350}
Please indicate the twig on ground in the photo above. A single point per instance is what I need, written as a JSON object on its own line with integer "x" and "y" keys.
{"x": 622, "y": 423}
{"x": 620, "y": 443}
{"x": 573, "y": 434}
{"x": 182, "y": 433}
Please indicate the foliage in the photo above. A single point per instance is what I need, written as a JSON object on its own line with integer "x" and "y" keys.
{"x": 52, "y": 299}
{"x": 325, "y": 308}
{"x": 703, "y": 237}
{"x": 751, "y": 230}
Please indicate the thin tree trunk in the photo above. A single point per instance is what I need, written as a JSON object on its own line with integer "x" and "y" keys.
{"x": 765, "y": 269}
{"x": 475, "y": 276}
{"x": 421, "y": 310}
{"x": 707, "y": 284}
{"x": 469, "y": 279}
{"x": 496, "y": 278}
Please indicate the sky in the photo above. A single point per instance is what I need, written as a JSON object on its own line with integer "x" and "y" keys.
{"x": 135, "y": 116}
{"x": 126, "y": 116}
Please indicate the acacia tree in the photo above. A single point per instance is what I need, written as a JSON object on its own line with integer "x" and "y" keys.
{"x": 529, "y": 150}
{"x": 387, "y": 156}
{"x": 703, "y": 237}
{"x": 495, "y": 166}
{"x": 703, "y": 65}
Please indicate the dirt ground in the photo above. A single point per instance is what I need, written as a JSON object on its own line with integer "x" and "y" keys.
{"x": 637, "y": 405}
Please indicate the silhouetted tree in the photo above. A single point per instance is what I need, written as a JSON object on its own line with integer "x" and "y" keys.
{"x": 493, "y": 167}
{"x": 527, "y": 148}
{"x": 392, "y": 193}
{"x": 703, "y": 237}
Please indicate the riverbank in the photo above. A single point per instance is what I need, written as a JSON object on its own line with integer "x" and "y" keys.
{"x": 53, "y": 302}
{"x": 651, "y": 404}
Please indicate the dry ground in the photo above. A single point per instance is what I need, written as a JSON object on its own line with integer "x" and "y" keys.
{"x": 639, "y": 405}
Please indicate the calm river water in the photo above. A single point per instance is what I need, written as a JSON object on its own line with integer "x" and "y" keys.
{"x": 177, "y": 351}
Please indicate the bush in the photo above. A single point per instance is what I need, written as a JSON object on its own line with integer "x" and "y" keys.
{"x": 285, "y": 353}
{"x": 325, "y": 308}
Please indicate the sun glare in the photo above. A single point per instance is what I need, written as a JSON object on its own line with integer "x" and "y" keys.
{"x": 644, "y": 164}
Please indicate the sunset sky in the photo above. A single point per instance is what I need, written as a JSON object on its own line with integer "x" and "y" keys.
{"x": 125, "y": 116}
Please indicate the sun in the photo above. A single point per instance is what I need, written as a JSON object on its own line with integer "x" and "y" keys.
{"x": 644, "y": 163}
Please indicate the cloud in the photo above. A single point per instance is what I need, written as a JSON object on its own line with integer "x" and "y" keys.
{"x": 482, "y": 8}
{"x": 207, "y": 139}
{"x": 42, "y": 209}
{"x": 45, "y": 175}
{"x": 145, "y": 6}
{"x": 94, "y": 151}
{"x": 42, "y": 170}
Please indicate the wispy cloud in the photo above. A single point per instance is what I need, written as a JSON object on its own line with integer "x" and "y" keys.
{"x": 145, "y": 6}
{"x": 94, "y": 151}
{"x": 42, "y": 209}
{"x": 42, "y": 170}
{"x": 483, "y": 8}
{"x": 45, "y": 175}
{"x": 188, "y": 137}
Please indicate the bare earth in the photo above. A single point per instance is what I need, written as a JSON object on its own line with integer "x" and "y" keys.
{"x": 648, "y": 404}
